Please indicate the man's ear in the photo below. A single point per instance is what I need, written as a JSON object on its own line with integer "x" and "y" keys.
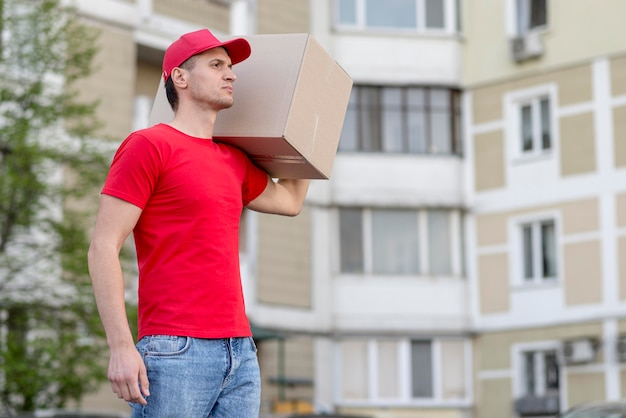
{"x": 179, "y": 77}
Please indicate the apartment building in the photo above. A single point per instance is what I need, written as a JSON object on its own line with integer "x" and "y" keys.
{"x": 545, "y": 96}
{"x": 366, "y": 289}
{"x": 464, "y": 258}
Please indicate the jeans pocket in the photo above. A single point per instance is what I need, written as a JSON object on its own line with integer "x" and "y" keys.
{"x": 163, "y": 345}
{"x": 253, "y": 344}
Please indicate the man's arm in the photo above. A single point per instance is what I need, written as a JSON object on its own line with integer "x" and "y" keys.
{"x": 115, "y": 221}
{"x": 284, "y": 197}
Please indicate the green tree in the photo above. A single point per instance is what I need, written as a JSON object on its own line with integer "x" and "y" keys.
{"x": 51, "y": 340}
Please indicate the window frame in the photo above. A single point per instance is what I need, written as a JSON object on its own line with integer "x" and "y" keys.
{"x": 525, "y": 25}
{"x": 404, "y": 373}
{"x": 450, "y": 19}
{"x": 539, "y": 349}
{"x": 514, "y": 102}
{"x": 368, "y": 106}
{"x": 517, "y": 254}
{"x": 512, "y": 19}
{"x": 455, "y": 236}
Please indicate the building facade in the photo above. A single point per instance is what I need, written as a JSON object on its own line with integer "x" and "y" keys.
{"x": 367, "y": 287}
{"x": 466, "y": 258}
{"x": 544, "y": 94}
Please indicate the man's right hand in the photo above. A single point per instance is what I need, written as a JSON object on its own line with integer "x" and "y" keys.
{"x": 128, "y": 376}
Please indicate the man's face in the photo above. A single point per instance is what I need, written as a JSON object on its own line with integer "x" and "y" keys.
{"x": 211, "y": 79}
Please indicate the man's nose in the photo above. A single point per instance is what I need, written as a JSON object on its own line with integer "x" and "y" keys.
{"x": 230, "y": 75}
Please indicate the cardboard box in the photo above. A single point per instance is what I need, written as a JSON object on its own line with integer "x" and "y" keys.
{"x": 290, "y": 102}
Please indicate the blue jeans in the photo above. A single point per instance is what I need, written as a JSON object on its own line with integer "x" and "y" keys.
{"x": 195, "y": 377}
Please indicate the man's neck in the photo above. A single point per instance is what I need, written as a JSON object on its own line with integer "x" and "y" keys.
{"x": 195, "y": 122}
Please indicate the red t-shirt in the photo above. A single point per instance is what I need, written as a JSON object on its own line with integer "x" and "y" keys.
{"x": 191, "y": 192}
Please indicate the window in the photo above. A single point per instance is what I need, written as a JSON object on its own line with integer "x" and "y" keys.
{"x": 354, "y": 376}
{"x": 395, "y": 247}
{"x": 421, "y": 369}
{"x": 399, "y": 242}
{"x": 531, "y": 14}
{"x": 539, "y": 251}
{"x": 410, "y": 120}
{"x": 540, "y": 373}
{"x": 402, "y": 370}
{"x": 414, "y": 15}
{"x": 531, "y": 126}
{"x": 535, "y": 126}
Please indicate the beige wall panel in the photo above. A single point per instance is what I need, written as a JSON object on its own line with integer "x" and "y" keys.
{"x": 585, "y": 387}
{"x": 284, "y": 260}
{"x": 204, "y": 13}
{"x": 487, "y": 103}
{"x": 495, "y": 347}
{"x": 574, "y": 86}
{"x": 578, "y": 152}
{"x": 489, "y": 160}
{"x": 494, "y": 283}
{"x": 621, "y": 266}
{"x": 493, "y": 351}
{"x": 580, "y": 216}
{"x": 496, "y": 400}
{"x": 582, "y": 273}
{"x": 148, "y": 77}
{"x": 621, "y": 209}
{"x": 491, "y": 229}
{"x": 619, "y": 136}
{"x": 113, "y": 81}
{"x": 621, "y": 326}
{"x": 297, "y": 361}
{"x": 618, "y": 75}
{"x": 623, "y": 383}
{"x": 283, "y": 16}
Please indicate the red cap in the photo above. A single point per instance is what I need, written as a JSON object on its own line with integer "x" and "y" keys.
{"x": 193, "y": 43}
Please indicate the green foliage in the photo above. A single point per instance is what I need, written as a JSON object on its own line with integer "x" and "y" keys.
{"x": 51, "y": 347}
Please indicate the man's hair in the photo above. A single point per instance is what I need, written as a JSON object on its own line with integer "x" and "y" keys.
{"x": 170, "y": 90}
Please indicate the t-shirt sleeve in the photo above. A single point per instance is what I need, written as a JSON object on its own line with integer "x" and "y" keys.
{"x": 134, "y": 171}
{"x": 255, "y": 183}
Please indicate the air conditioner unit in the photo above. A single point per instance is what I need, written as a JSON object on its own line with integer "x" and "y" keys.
{"x": 526, "y": 46}
{"x": 532, "y": 406}
{"x": 621, "y": 348}
{"x": 579, "y": 351}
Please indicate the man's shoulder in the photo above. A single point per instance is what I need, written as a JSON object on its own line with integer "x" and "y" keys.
{"x": 154, "y": 131}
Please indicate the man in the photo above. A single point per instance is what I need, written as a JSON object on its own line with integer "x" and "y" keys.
{"x": 181, "y": 194}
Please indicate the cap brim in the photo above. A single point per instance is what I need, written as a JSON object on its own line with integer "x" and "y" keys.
{"x": 238, "y": 49}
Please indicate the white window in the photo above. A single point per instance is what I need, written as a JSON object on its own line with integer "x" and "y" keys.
{"x": 531, "y": 15}
{"x": 400, "y": 242}
{"x": 408, "y": 120}
{"x": 414, "y": 15}
{"x": 539, "y": 253}
{"x": 535, "y": 126}
{"x": 539, "y": 372}
{"x": 403, "y": 371}
{"x": 531, "y": 127}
